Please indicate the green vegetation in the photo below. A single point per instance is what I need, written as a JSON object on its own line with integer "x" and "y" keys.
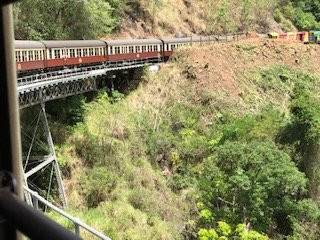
{"x": 66, "y": 19}
{"x": 236, "y": 16}
{"x": 224, "y": 231}
{"x": 157, "y": 168}
{"x": 304, "y": 14}
{"x": 229, "y": 16}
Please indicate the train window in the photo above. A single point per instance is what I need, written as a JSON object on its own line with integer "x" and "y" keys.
{"x": 138, "y": 49}
{"x": 72, "y": 53}
{"x": 155, "y": 48}
{"x": 85, "y": 52}
{"x": 66, "y": 53}
{"x": 57, "y": 53}
{"x": 24, "y": 56}
{"x": 31, "y": 56}
{"x": 18, "y": 56}
{"x": 149, "y": 48}
{"x": 49, "y": 53}
{"x": 124, "y": 50}
{"x": 36, "y": 55}
{"x": 96, "y": 50}
{"x": 117, "y": 50}
{"x": 130, "y": 49}
{"x": 91, "y": 52}
{"x": 144, "y": 48}
{"x": 110, "y": 50}
{"x": 79, "y": 53}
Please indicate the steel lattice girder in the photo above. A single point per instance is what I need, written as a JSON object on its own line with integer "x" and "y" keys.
{"x": 56, "y": 91}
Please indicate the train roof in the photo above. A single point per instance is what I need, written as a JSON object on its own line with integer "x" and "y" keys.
{"x": 190, "y": 39}
{"x": 133, "y": 42}
{"x": 24, "y": 44}
{"x": 73, "y": 43}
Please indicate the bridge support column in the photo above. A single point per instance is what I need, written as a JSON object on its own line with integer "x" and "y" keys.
{"x": 35, "y": 165}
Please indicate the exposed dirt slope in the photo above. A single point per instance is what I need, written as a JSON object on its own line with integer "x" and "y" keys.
{"x": 226, "y": 67}
{"x": 178, "y": 18}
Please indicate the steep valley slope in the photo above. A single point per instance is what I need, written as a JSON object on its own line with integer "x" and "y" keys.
{"x": 134, "y": 167}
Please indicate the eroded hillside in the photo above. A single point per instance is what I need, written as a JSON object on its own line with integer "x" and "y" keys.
{"x": 185, "y": 17}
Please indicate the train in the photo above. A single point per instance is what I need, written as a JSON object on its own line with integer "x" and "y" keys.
{"x": 35, "y": 56}
{"x": 305, "y": 37}
{"x": 44, "y": 56}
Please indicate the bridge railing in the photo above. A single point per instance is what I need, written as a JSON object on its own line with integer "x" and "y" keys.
{"x": 57, "y": 74}
{"x": 72, "y": 72}
{"x": 77, "y": 223}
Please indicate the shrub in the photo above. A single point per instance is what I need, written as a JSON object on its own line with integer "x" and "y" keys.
{"x": 98, "y": 184}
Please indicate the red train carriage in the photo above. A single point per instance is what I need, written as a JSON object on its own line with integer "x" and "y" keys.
{"x": 30, "y": 55}
{"x": 303, "y": 37}
{"x": 283, "y": 36}
{"x": 129, "y": 50}
{"x": 75, "y": 52}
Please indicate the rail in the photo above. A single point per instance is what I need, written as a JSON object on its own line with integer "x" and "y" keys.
{"x": 29, "y": 221}
{"x": 78, "y": 71}
{"x": 77, "y": 223}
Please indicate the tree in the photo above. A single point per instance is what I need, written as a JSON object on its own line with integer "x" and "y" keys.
{"x": 250, "y": 183}
{"x": 59, "y": 19}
